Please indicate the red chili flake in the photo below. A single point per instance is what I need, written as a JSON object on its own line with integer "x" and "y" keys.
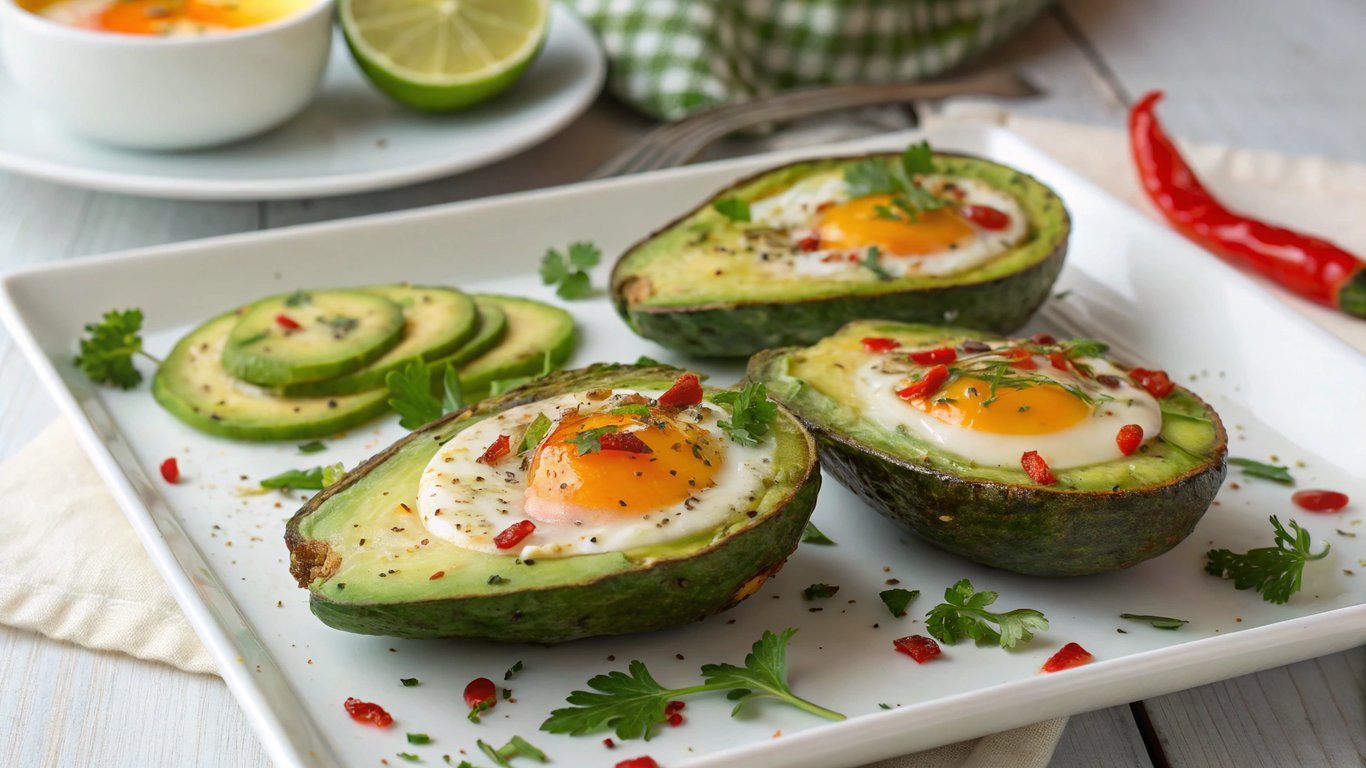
{"x": 287, "y": 322}
{"x": 1071, "y": 655}
{"x": 928, "y": 384}
{"x": 1129, "y": 438}
{"x": 1019, "y": 358}
{"x": 436, "y": 576}
{"x": 1037, "y": 468}
{"x": 918, "y": 647}
{"x": 1156, "y": 382}
{"x": 675, "y": 720}
{"x": 674, "y": 707}
{"x": 481, "y": 691}
{"x": 500, "y": 448}
{"x": 1043, "y": 338}
{"x": 638, "y": 762}
{"x": 831, "y": 258}
{"x": 687, "y": 390}
{"x": 623, "y": 441}
{"x": 170, "y": 471}
{"x": 1320, "y": 501}
{"x": 370, "y": 714}
{"x": 1058, "y": 360}
{"x": 609, "y": 743}
{"x": 934, "y": 356}
{"x": 985, "y": 217}
{"x": 880, "y": 344}
{"x": 808, "y": 244}
{"x": 513, "y": 534}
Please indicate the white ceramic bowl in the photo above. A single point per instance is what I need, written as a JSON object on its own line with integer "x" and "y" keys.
{"x": 168, "y": 93}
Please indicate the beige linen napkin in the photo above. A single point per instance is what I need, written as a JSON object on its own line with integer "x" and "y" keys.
{"x": 71, "y": 568}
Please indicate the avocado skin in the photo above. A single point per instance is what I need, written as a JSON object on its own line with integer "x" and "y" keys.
{"x": 670, "y": 593}
{"x": 1033, "y": 530}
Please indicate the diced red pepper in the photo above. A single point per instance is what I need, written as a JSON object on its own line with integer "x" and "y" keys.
{"x": 934, "y": 356}
{"x": 1019, "y": 358}
{"x": 609, "y": 743}
{"x": 287, "y": 322}
{"x": 170, "y": 471}
{"x": 1043, "y": 338}
{"x": 1129, "y": 438}
{"x": 1037, "y": 468}
{"x": 481, "y": 691}
{"x": 985, "y": 217}
{"x": 880, "y": 344}
{"x": 1071, "y": 655}
{"x": 497, "y": 450}
{"x": 370, "y": 714}
{"x": 675, "y": 720}
{"x": 512, "y": 535}
{"x": 638, "y": 762}
{"x": 928, "y": 384}
{"x": 808, "y": 244}
{"x": 686, "y": 391}
{"x": 623, "y": 441}
{"x": 1058, "y": 360}
{"x": 1320, "y": 501}
{"x": 1156, "y": 382}
{"x": 437, "y": 575}
{"x": 674, "y": 706}
{"x": 918, "y": 647}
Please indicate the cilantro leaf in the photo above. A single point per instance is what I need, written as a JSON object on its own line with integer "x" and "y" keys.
{"x": 312, "y": 447}
{"x": 106, "y": 355}
{"x": 870, "y": 262}
{"x": 964, "y": 614}
{"x": 897, "y": 600}
{"x": 1275, "y": 572}
{"x": 764, "y": 674}
{"x": 751, "y": 413}
{"x": 298, "y": 479}
{"x": 570, "y": 273}
{"x": 575, "y": 285}
{"x": 410, "y": 395}
{"x": 1159, "y": 622}
{"x": 535, "y": 431}
{"x": 918, "y": 158}
{"x": 590, "y": 440}
{"x": 1264, "y": 471}
{"x": 584, "y": 255}
{"x": 409, "y": 682}
{"x": 732, "y": 208}
{"x": 819, "y": 591}
{"x": 813, "y": 535}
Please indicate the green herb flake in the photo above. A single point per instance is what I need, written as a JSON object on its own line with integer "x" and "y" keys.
{"x": 751, "y": 413}
{"x": 1265, "y": 471}
{"x": 106, "y": 353}
{"x": 419, "y": 738}
{"x": 535, "y": 432}
{"x": 297, "y": 299}
{"x": 478, "y": 709}
{"x": 870, "y": 262}
{"x": 590, "y": 440}
{"x": 452, "y": 395}
{"x": 297, "y": 479}
{"x": 897, "y": 600}
{"x": 813, "y": 535}
{"x": 884, "y": 706}
{"x": 732, "y": 208}
{"x": 333, "y": 474}
{"x": 512, "y": 670}
{"x": 569, "y": 273}
{"x": 313, "y": 447}
{"x": 1159, "y": 622}
{"x": 410, "y": 395}
{"x": 409, "y": 682}
{"x": 1276, "y": 571}
{"x": 820, "y": 591}
{"x": 964, "y": 614}
{"x": 410, "y": 757}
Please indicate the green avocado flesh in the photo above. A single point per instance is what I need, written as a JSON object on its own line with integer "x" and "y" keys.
{"x": 359, "y": 547}
{"x": 332, "y": 333}
{"x": 538, "y": 336}
{"x": 702, "y": 285}
{"x": 1096, "y": 518}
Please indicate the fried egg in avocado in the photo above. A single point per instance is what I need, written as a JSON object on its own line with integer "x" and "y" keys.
{"x": 590, "y": 472}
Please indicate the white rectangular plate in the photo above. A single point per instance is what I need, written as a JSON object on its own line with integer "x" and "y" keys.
{"x": 1282, "y": 387}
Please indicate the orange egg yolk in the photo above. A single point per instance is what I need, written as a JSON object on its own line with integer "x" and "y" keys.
{"x": 156, "y": 17}
{"x": 564, "y": 484}
{"x": 1038, "y": 410}
{"x": 855, "y": 225}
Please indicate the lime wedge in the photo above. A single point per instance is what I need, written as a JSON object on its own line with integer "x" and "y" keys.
{"x": 439, "y": 55}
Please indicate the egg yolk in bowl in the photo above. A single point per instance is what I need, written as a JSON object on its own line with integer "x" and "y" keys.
{"x": 175, "y": 18}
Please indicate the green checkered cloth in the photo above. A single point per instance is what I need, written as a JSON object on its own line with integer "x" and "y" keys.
{"x": 672, "y": 57}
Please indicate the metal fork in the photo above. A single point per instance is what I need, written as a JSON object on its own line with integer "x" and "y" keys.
{"x": 676, "y": 143}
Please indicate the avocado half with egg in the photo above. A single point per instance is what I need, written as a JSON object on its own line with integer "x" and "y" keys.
{"x": 789, "y": 255}
{"x": 624, "y": 538}
{"x": 931, "y": 426}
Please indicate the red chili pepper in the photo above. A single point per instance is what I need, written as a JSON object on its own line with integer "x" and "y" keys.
{"x": 1071, "y": 655}
{"x": 285, "y": 321}
{"x": 370, "y": 714}
{"x": 928, "y": 384}
{"x": 808, "y": 244}
{"x": 623, "y": 441}
{"x": 481, "y": 691}
{"x": 1037, "y": 468}
{"x": 687, "y": 390}
{"x": 1320, "y": 501}
{"x": 1020, "y": 358}
{"x": 934, "y": 356}
{"x": 1129, "y": 438}
{"x": 918, "y": 647}
{"x": 985, "y": 217}
{"x": 496, "y": 450}
{"x": 1058, "y": 360}
{"x": 1310, "y": 266}
{"x": 170, "y": 471}
{"x": 638, "y": 762}
{"x": 880, "y": 344}
{"x": 513, "y": 534}
{"x": 1158, "y": 384}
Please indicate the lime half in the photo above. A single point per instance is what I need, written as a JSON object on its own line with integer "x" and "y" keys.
{"x": 439, "y": 55}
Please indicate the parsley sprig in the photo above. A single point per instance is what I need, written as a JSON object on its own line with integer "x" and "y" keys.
{"x": 109, "y": 346}
{"x": 897, "y": 178}
{"x": 1276, "y": 572}
{"x": 751, "y": 413}
{"x": 410, "y": 394}
{"x": 569, "y": 273}
{"x": 633, "y": 702}
{"x": 964, "y": 614}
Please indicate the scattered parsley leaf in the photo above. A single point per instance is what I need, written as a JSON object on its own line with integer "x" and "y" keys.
{"x": 732, "y": 208}
{"x": 813, "y": 535}
{"x": 751, "y": 413}
{"x": 297, "y": 299}
{"x": 1085, "y": 348}
{"x": 410, "y": 757}
{"x": 1265, "y": 471}
{"x": 333, "y": 474}
{"x": 870, "y": 262}
{"x": 410, "y": 395}
{"x": 918, "y": 158}
{"x": 419, "y": 738}
{"x": 1273, "y": 571}
{"x": 647, "y": 360}
{"x": 409, "y": 682}
{"x": 898, "y": 599}
{"x": 1060, "y": 295}
{"x": 764, "y": 674}
{"x": 478, "y": 708}
{"x": 885, "y": 706}
{"x": 1159, "y": 622}
{"x": 569, "y": 273}
{"x": 516, "y": 747}
{"x": 535, "y": 431}
{"x": 964, "y": 614}
{"x": 106, "y": 355}
{"x": 313, "y": 447}
{"x": 512, "y": 670}
{"x": 297, "y": 479}
{"x": 507, "y": 693}
{"x": 590, "y": 440}
{"x": 452, "y": 397}
{"x": 820, "y": 591}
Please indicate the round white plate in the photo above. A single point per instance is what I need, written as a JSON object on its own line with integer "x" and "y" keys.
{"x": 351, "y": 139}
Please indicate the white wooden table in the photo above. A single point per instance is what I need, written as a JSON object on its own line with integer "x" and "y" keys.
{"x": 1265, "y": 74}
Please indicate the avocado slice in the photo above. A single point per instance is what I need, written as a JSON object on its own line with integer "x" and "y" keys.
{"x": 1096, "y": 518}
{"x": 701, "y": 285}
{"x": 538, "y": 336}
{"x": 368, "y": 562}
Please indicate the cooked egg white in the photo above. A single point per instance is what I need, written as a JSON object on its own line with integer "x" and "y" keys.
{"x": 693, "y": 480}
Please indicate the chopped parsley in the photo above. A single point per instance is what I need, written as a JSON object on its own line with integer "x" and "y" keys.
{"x": 569, "y": 273}
{"x": 535, "y": 431}
{"x": 732, "y": 208}
{"x": 410, "y": 757}
{"x": 897, "y": 178}
{"x": 516, "y": 747}
{"x": 813, "y": 535}
{"x": 870, "y": 262}
{"x": 897, "y": 600}
{"x": 821, "y": 591}
{"x": 410, "y": 394}
{"x": 419, "y": 738}
{"x": 107, "y": 350}
{"x": 478, "y": 708}
{"x": 313, "y": 447}
{"x": 964, "y": 614}
{"x": 751, "y": 413}
{"x": 1272, "y": 472}
{"x": 1275, "y": 572}
{"x": 409, "y": 682}
{"x": 590, "y": 440}
{"x": 297, "y": 299}
{"x": 512, "y": 670}
{"x": 1159, "y": 622}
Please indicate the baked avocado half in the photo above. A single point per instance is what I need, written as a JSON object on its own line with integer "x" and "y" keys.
{"x": 642, "y": 513}
{"x": 788, "y": 256}
{"x": 934, "y": 427}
